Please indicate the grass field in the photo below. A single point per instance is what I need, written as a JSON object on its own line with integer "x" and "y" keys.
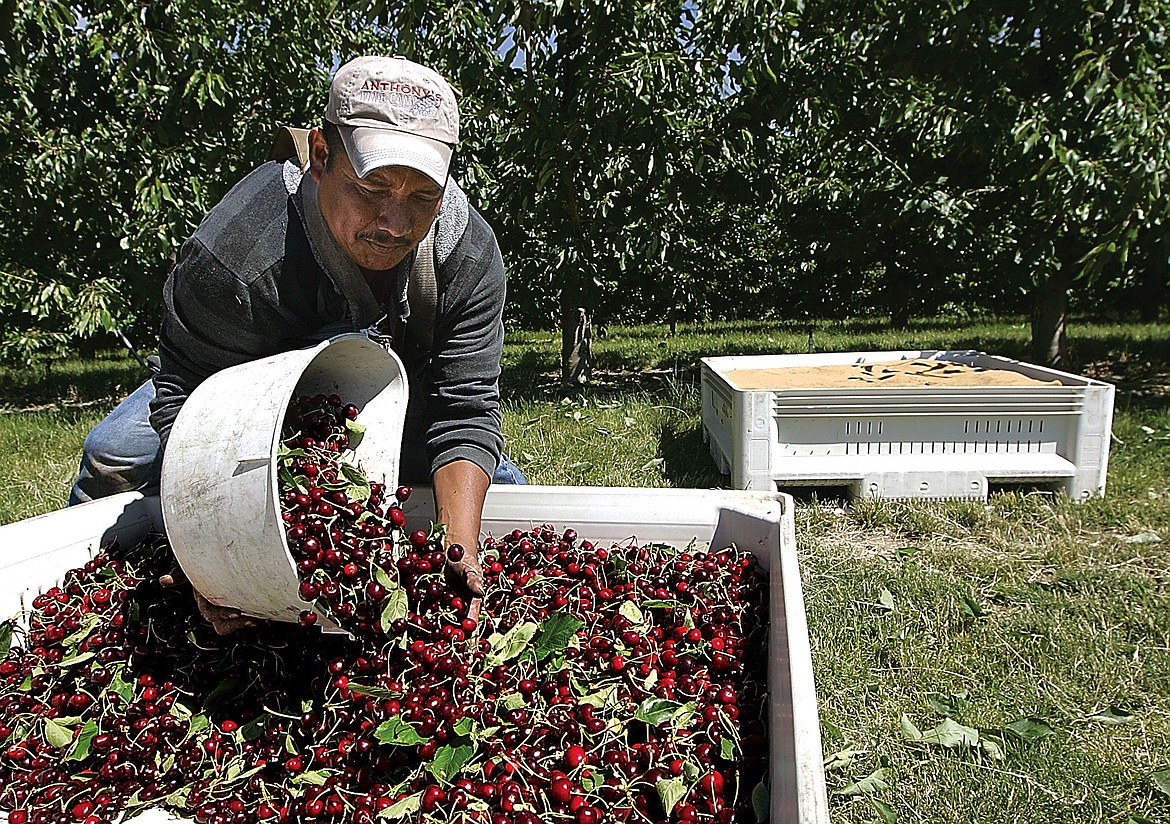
{"x": 1007, "y": 661}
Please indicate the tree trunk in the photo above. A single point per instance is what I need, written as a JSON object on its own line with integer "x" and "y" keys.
{"x": 1152, "y": 288}
{"x": 88, "y": 347}
{"x": 576, "y": 343}
{"x": 576, "y": 285}
{"x": 1150, "y": 310}
{"x": 900, "y": 294}
{"x": 1049, "y": 314}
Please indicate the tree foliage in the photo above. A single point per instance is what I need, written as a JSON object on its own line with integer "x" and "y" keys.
{"x": 127, "y": 122}
{"x": 960, "y": 147}
{"x": 660, "y": 160}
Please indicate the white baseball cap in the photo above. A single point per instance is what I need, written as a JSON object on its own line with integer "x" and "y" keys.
{"x": 394, "y": 112}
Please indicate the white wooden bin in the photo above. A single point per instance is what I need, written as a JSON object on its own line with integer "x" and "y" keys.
{"x": 35, "y": 553}
{"x": 908, "y": 442}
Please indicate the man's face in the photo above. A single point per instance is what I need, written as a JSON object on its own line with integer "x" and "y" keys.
{"x": 378, "y": 219}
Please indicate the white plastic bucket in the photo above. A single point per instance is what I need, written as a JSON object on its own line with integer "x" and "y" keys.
{"x": 219, "y": 492}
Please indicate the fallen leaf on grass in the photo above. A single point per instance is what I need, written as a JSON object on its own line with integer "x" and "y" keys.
{"x": 842, "y": 758}
{"x": 991, "y": 749}
{"x": 884, "y": 810}
{"x": 1143, "y": 538}
{"x": 1111, "y": 715}
{"x": 885, "y": 601}
{"x": 971, "y": 607}
{"x": 952, "y": 735}
{"x": 949, "y": 706}
{"x": 904, "y": 552}
{"x": 875, "y": 782}
{"x": 1029, "y": 730}
{"x": 949, "y": 734}
{"x": 1161, "y": 781}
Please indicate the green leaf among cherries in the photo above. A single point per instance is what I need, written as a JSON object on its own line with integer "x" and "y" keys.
{"x": 57, "y": 734}
{"x": 401, "y": 809}
{"x": 356, "y": 486}
{"x": 398, "y": 733}
{"x": 356, "y": 432}
{"x": 555, "y": 634}
{"x": 507, "y": 646}
{"x": 670, "y": 792}
{"x": 449, "y": 760}
{"x": 395, "y": 607}
{"x": 83, "y": 742}
{"x": 659, "y": 711}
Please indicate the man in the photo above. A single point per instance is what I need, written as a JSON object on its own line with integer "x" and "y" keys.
{"x": 290, "y": 258}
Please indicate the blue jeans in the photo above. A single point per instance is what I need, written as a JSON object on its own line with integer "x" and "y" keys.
{"x": 122, "y": 453}
{"x": 508, "y": 473}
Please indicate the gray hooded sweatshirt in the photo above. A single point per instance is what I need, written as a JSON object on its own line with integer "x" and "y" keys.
{"x": 262, "y": 274}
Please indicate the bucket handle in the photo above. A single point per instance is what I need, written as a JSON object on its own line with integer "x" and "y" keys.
{"x": 372, "y": 333}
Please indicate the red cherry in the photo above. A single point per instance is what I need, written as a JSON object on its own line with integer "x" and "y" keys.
{"x": 587, "y": 814}
{"x": 559, "y": 787}
{"x": 432, "y": 797}
{"x": 711, "y": 783}
{"x": 575, "y": 756}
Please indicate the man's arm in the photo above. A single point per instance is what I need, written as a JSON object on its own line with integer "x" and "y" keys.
{"x": 463, "y": 403}
{"x": 464, "y": 439}
{"x": 221, "y": 303}
{"x": 460, "y": 488}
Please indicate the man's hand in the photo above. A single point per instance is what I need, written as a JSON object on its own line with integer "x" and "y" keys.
{"x": 460, "y": 488}
{"x": 223, "y": 620}
{"x": 465, "y": 576}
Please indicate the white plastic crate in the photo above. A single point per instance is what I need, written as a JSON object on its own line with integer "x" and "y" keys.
{"x": 35, "y": 553}
{"x": 908, "y": 442}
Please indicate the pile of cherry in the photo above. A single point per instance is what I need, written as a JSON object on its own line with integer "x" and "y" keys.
{"x": 599, "y": 684}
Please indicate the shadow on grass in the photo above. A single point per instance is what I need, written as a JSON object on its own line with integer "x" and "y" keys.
{"x": 687, "y": 462}
{"x": 535, "y": 378}
{"x": 76, "y": 382}
{"x": 1138, "y": 366}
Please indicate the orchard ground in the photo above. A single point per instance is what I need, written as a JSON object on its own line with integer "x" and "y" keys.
{"x": 1005, "y": 661}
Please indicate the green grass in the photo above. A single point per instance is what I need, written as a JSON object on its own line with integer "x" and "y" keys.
{"x": 1029, "y": 608}
{"x": 45, "y": 415}
{"x": 1026, "y": 610}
